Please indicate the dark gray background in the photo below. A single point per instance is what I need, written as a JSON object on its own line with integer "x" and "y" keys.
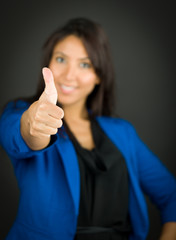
{"x": 142, "y": 36}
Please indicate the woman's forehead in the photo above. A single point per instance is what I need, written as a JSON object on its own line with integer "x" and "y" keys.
{"x": 71, "y": 45}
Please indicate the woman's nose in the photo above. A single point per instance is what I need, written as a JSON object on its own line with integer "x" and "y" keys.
{"x": 70, "y": 73}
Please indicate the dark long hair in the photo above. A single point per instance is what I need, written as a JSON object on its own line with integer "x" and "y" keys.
{"x": 101, "y": 101}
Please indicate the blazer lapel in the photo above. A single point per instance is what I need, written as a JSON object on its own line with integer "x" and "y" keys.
{"x": 71, "y": 166}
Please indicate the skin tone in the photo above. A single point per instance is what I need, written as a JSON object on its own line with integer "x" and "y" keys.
{"x": 69, "y": 79}
{"x": 43, "y": 117}
{"x": 75, "y": 79}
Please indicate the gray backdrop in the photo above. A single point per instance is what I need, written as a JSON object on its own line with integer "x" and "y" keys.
{"x": 142, "y": 36}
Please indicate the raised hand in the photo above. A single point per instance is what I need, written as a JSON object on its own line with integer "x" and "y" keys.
{"x": 44, "y": 117}
{"x": 50, "y": 92}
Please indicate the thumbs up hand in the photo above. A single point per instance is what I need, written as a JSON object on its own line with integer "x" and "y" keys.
{"x": 50, "y": 92}
{"x": 43, "y": 117}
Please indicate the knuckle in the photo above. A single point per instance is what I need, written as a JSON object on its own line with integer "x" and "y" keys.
{"x": 33, "y": 126}
{"x": 41, "y": 106}
{"x": 32, "y": 132}
{"x": 54, "y": 131}
{"x": 60, "y": 113}
{"x": 34, "y": 129}
{"x": 60, "y": 123}
{"x": 36, "y": 117}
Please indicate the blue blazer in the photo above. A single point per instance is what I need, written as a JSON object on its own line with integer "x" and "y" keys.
{"x": 49, "y": 180}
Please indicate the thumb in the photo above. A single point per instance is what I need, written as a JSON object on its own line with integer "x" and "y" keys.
{"x": 50, "y": 92}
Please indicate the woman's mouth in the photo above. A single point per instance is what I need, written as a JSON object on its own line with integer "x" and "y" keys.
{"x": 67, "y": 89}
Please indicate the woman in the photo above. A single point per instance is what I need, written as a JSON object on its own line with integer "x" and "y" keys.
{"x": 81, "y": 173}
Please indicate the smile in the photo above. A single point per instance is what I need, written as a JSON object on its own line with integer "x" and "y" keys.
{"x": 67, "y": 89}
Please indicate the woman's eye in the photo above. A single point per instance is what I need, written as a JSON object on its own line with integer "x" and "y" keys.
{"x": 85, "y": 65}
{"x": 60, "y": 59}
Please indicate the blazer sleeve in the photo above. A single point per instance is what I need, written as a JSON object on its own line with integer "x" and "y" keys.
{"x": 155, "y": 179}
{"x": 10, "y": 134}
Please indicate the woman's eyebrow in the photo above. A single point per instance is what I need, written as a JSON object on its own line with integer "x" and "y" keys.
{"x": 63, "y": 54}
{"x": 58, "y": 52}
{"x": 85, "y": 58}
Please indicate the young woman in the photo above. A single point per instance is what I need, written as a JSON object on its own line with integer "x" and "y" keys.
{"x": 82, "y": 173}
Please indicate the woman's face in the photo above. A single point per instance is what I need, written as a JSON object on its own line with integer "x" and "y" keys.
{"x": 73, "y": 72}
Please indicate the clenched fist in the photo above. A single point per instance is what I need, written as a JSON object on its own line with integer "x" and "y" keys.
{"x": 44, "y": 117}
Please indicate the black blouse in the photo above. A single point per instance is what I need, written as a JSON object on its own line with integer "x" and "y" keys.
{"x": 103, "y": 210}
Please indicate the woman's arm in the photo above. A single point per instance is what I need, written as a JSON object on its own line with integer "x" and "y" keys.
{"x": 158, "y": 183}
{"x": 43, "y": 117}
{"x": 168, "y": 231}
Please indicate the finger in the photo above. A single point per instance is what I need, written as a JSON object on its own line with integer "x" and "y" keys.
{"x": 53, "y": 123}
{"x": 50, "y": 89}
{"x": 48, "y": 121}
{"x": 48, "y": 130}
{"x": 58, "y": 113}
{"x": 42, "y": 128}
{"x": 54, "y": 111}
{"x": 51, "y": 110}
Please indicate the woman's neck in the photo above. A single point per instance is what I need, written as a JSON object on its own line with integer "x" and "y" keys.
{"x": 77, "y": 120}
{"x": 75, "y": 113}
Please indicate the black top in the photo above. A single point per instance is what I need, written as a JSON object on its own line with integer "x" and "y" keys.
{"x": 103, "y": 210}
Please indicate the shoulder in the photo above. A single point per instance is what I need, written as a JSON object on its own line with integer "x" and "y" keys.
{"x": 13, "y": 111}
{"x": 116, "y": 123}
{"x": 118, "y": 128}
{"x": 18, "y": 106}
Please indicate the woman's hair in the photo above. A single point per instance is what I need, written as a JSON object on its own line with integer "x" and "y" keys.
{"x": 101, "y": 101}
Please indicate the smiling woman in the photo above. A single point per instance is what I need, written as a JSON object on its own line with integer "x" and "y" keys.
{"x": 82, "y": 173}
{"x": 90, "y": 36}
{"x": 74, "y": 75}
